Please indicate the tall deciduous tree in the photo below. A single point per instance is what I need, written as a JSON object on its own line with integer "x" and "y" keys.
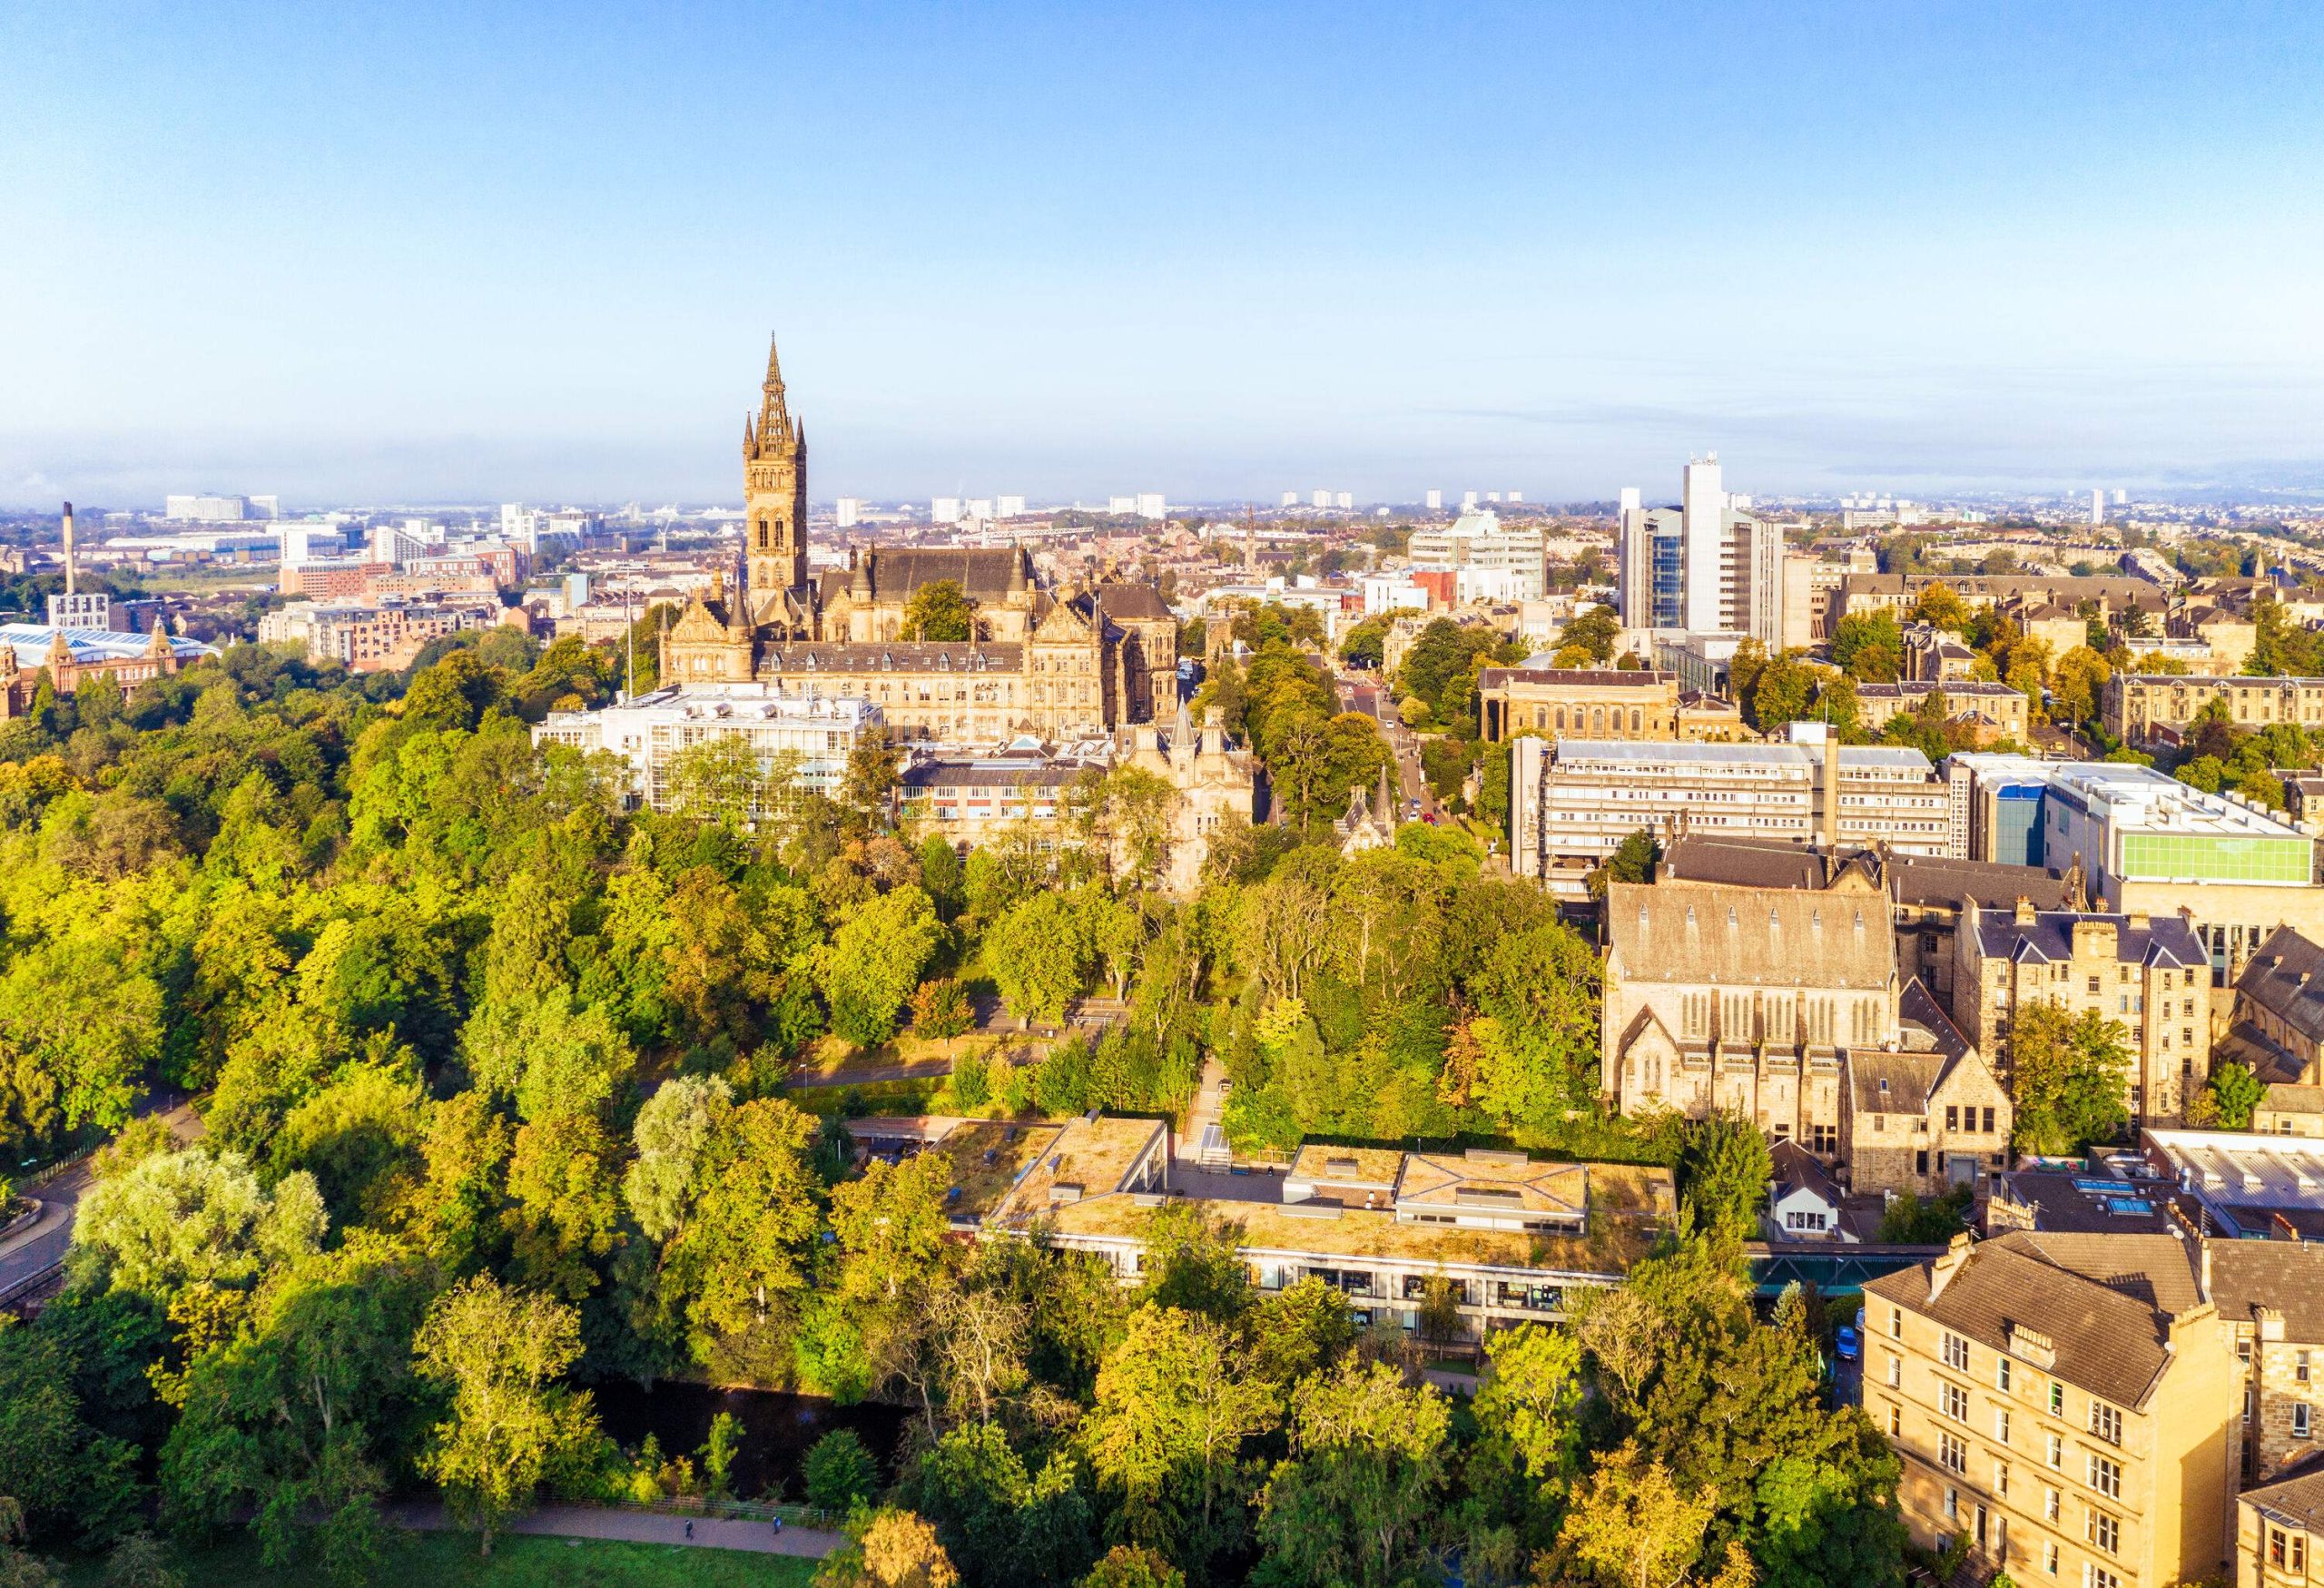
{"x": 499, "y": 1353}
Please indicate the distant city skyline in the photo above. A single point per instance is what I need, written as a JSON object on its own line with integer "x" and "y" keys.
{"x": 1213, "y": 252}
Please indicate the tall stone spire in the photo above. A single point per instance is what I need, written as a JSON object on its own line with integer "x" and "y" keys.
{"x": 774, "y": 409}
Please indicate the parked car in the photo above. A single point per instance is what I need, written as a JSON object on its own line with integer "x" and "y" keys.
{"x": 1846, "y": 1343}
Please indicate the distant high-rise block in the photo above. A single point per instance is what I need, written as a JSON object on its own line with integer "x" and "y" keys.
{"x": 845, "y": 512}
{"x": 1009, "y": 507}
{"x": 1291, "y": 499}
{"x": 944, "y": 511}
{"x": 1322, "y": 498}
{"x": 2098, "y": 507}
{"x": 1707, "y": 567}
{"x": 2121, "y": 498}
{"x": 1121, "y": 505}
{"x": 1492, "y": 496}
{"x": 1344, "y": 500}
{"x": 1436, "y": 502}
{"x": 1516, "y": 495}
{"x": 1150, "y": 505}
{"x": 1468, "y": 501}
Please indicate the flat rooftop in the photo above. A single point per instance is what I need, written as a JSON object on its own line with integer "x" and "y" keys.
{"x": 1777, "y": 758}
{"x": 2142, "y": 800}
{"x": 2243, "y": 1168}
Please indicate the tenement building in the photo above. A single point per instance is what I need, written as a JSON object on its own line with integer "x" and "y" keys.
{"x": 2137, "y": 705}
{"x": 1036, "y": 659}
{"x": 2150, "y": 974}
{"x": 2060, "y": 1402}
{"x": 1744, "y": 1000}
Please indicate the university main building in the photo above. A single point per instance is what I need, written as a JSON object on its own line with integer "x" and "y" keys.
{"x": 1058, "y": 662}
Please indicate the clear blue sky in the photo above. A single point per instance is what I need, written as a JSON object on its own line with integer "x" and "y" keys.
{"x": 472, "y": 251}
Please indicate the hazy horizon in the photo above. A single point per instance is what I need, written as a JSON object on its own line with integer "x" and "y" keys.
{"x": 509, "y": 255}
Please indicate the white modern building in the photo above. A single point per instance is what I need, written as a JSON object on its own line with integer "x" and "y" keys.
{"x": 1435, "y": 501}
{"x": 1572, "y": 801}
{"x": 811, "y": 735}
{"x": 944, "y": 511}
{"x": 1706, "y": 566}
{"x": 845, "y": 510}
{"x": 1009, "y": 507}
{"x": 208, "y": 510}
{"x": 1150, "y": 505}
{"x": 1478, "y": 541}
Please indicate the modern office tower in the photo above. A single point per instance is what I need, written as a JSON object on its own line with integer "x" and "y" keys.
{"x": 845, "y": 511}
{"x": 1009, "y": 507}
{"x": 1704, "y": 504}
{"x": 1150, "y": 505}
{"x": 2098, "y": 507}
{"x": 1344, "y": 500}
{"x": 2121, "y": 498}
{"x": 1436, "y": 502}
{"x": 1706, "y": 566}
{"x": 944, "y": 511}
{"x": 1322, "y": 498}
{"x": 1291, "y": 499}
{"x": 1516, "y": 495}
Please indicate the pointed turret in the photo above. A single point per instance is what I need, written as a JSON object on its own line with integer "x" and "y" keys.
{"x": 774, "y": 409}
{"x": 750, "y": 437}
{"x": 158, "y": 647}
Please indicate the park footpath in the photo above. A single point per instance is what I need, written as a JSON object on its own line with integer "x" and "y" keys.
{"x": 639, "y": 1527}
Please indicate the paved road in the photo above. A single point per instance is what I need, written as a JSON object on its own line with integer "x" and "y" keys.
{"x": 640, "y": 1527}
{"x": 1362, "y": 692}
{"x": 43, "y": 1245}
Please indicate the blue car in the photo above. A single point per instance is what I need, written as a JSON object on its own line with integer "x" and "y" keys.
{"x": 1846, "y": 1343}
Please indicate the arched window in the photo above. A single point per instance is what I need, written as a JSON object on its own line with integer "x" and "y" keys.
{"x": 1596, "y": 719}
{"x": 1560, "y": 719}
{"x": 1637, "y": 721}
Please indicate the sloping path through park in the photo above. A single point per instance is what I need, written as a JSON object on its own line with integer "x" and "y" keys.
{"x": 641, "y": 1527}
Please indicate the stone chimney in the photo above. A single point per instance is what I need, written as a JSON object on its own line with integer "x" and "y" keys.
{"x": 1940, "y": 1272}
{"x": 2025, "y": 911}
{"x": 2271, "y": 1323}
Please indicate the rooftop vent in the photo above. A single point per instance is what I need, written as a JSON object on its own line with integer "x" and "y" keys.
{"x": 1339, "y": 1166}
{"x": 1494, "y": 1155}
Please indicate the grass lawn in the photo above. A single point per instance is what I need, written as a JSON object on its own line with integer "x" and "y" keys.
{"x": 445, "y": 1560}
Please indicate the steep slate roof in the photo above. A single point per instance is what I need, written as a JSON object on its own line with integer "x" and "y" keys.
{"x": 1750, "y": 937}
{"x": 2165, "y": 940}
{"x": 2286, "y": 978}
{"x": 1796, "y": 1168}
{"x": 2298, "y": 1499}
{"x": 1934, "y": 879}
{"x": 2153, "y": 1269}
{"x": 2287, "y": 1275}
{"x": 983, "y": 573}
{"x": 1133, "y": 603}
{"x": 2109, "y": 1341}
{"x": 1916, "y": 1007}
{"x": 1908, "y": 1079}
{"x": 1742, "y": 863}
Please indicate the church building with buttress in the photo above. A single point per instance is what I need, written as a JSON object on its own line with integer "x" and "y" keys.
{"x": 1061, "y": 662}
